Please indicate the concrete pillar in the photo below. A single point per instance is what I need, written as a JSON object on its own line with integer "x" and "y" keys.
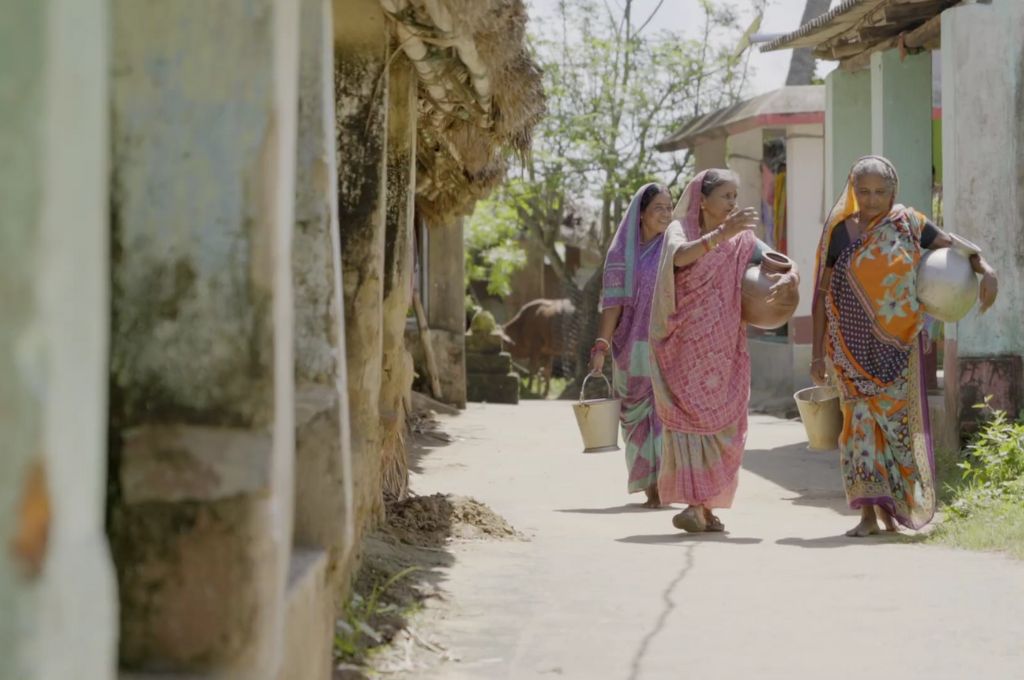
{"x": 397, "y": 368}
{"x": 324, "y": 497}
{"x": 57, "y": 590}
{"x": 361, "y": 93}
{"x": 847, "y": 126}
{"x": 202, "y": 413}
{"x": 901, "y": 122}
{"x": 805, "y": 213}
{"x": 446, "y": 314}
{"x": 745, "y": 152}
{"x": 983, "y": 185}
{"x": 709, "y": 154}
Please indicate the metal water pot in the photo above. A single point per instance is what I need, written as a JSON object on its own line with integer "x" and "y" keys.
{"x": 756, "y": 310}
{"x": 947, "y": 286}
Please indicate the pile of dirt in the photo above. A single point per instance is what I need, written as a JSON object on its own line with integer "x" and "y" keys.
{"x": 431, "y": 521}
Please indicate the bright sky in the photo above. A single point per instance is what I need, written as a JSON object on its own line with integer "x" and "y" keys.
{"x": 781, "y": 16}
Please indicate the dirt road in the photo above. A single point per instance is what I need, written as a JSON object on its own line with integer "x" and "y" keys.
{"x": 606, "y": 590}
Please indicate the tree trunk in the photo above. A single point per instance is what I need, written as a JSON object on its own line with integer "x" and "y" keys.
{"x": 801, "y": 67}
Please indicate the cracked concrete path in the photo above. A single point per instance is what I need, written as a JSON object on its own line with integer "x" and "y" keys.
{"x": 607, "y": 590}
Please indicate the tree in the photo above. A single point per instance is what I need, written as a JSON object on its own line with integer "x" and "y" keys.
{"x": 802, "y": 63}
{"x": 615, "y": 86}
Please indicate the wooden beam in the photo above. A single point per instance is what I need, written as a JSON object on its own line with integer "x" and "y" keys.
{"x": 928, "y": 35}
{"x": 911, "y": 12}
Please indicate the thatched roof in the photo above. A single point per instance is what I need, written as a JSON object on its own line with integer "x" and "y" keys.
{"x": 480, "y": 95}
{"x": 853, "y": 29}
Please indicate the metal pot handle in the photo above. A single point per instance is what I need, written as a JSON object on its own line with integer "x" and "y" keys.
{"x": 583, "y": 387}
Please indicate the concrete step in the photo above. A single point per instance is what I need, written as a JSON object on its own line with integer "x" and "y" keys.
{"x": 309, "y": 624}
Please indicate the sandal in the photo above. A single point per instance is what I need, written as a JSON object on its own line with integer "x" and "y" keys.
{"x": 714, "y": 524}
{"x": 690, "y": 521}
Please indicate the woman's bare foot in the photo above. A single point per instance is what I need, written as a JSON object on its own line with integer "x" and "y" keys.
{"x": 887, "y": 519}
{"x": 868, "y": 523}
{"x": 653, "y": 498}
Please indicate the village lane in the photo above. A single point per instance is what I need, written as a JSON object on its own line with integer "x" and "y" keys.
{"x": 605, "y": 590}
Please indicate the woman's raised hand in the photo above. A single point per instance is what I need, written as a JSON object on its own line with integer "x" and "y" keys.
{"x": 740, "y": 220}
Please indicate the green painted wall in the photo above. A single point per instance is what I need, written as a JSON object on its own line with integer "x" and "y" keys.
{"x": 901, "y": 121}
{"x": 847, "y": 126}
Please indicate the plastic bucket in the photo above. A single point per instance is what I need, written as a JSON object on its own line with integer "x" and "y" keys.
{"x": 821, "y": 416}
{"x": 598, "y": 420}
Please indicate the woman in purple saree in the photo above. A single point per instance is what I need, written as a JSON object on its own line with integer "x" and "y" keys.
{"x": 630, "y": 271}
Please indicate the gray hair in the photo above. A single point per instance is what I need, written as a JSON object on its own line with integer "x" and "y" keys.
{"x": 877, "y": 167}
{"x": 716, "y": 177}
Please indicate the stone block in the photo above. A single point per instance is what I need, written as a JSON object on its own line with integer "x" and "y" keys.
{"x": 489, "y": 343}
{"x": 999, "y": 377}
{"x": 173, "y": 463}
{"x": 493, "y": 389}
{"x": 309, "y": 624}
{"x": 495, "y": 364}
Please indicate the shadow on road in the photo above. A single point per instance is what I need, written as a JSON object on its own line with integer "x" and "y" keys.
{"x": 616, "y": 509}
{"x": 841, "y": 541}
{"x": 681, "y": 538}
{"x": 812, "y": 476}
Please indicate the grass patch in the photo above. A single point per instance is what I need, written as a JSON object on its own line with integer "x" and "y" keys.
{"x": 982, "y": 491}
{"x": 998, "y": 528}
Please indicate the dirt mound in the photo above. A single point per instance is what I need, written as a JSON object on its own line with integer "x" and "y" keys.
{"x": 432, "y": 520}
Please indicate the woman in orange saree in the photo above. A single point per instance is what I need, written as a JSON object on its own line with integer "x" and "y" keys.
{"x": 867, "y": 330}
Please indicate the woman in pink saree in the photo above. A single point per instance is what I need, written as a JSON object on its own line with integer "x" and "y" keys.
{"x": 702, "y": 368}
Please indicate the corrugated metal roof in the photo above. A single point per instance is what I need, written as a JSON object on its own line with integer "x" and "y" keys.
{"x": 857, "y": 27}
{"x": 830, "y": 24}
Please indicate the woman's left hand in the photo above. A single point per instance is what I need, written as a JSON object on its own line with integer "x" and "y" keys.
{"x": 988, "y": 291}
{"x": 785, "y": 284}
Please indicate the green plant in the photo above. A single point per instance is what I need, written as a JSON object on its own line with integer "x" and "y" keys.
{"x": 354, "y": 632}
{"x": 993, "y": 469}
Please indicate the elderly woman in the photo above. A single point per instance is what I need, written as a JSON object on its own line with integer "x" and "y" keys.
{"x": 629, "y": 272}
{"x": 867, "y": 331}
{"x": 701, "y": 367}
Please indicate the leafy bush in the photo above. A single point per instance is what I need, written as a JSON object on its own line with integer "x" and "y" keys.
{"x": 993, "y": 469}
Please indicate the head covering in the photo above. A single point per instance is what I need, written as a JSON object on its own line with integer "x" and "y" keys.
{"x": 844, "y": 208}
{"x": 619, "y": 280}
{"x": 687, "y": 210}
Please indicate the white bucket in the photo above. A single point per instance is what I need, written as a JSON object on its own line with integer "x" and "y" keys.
{"x": 598, "y": 420}
{"x": 821, "y": 415}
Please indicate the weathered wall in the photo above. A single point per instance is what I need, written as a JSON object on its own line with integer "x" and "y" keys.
{"x": 396, "y": 367}
{"x": 983, "y": 144}
{"x": 203, "y": 108}
{"x": 446, "y": 312}
{"x": 847, "y": 126}
{"x": 361, "y": 94}
{"x": 57, "y": 592}
{"x": 324, "y": 499}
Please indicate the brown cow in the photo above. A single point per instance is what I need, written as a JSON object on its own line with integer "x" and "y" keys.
{"x": 538, "y": 332}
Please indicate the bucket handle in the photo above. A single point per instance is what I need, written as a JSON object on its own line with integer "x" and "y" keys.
{"x": 583, "y": 387}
